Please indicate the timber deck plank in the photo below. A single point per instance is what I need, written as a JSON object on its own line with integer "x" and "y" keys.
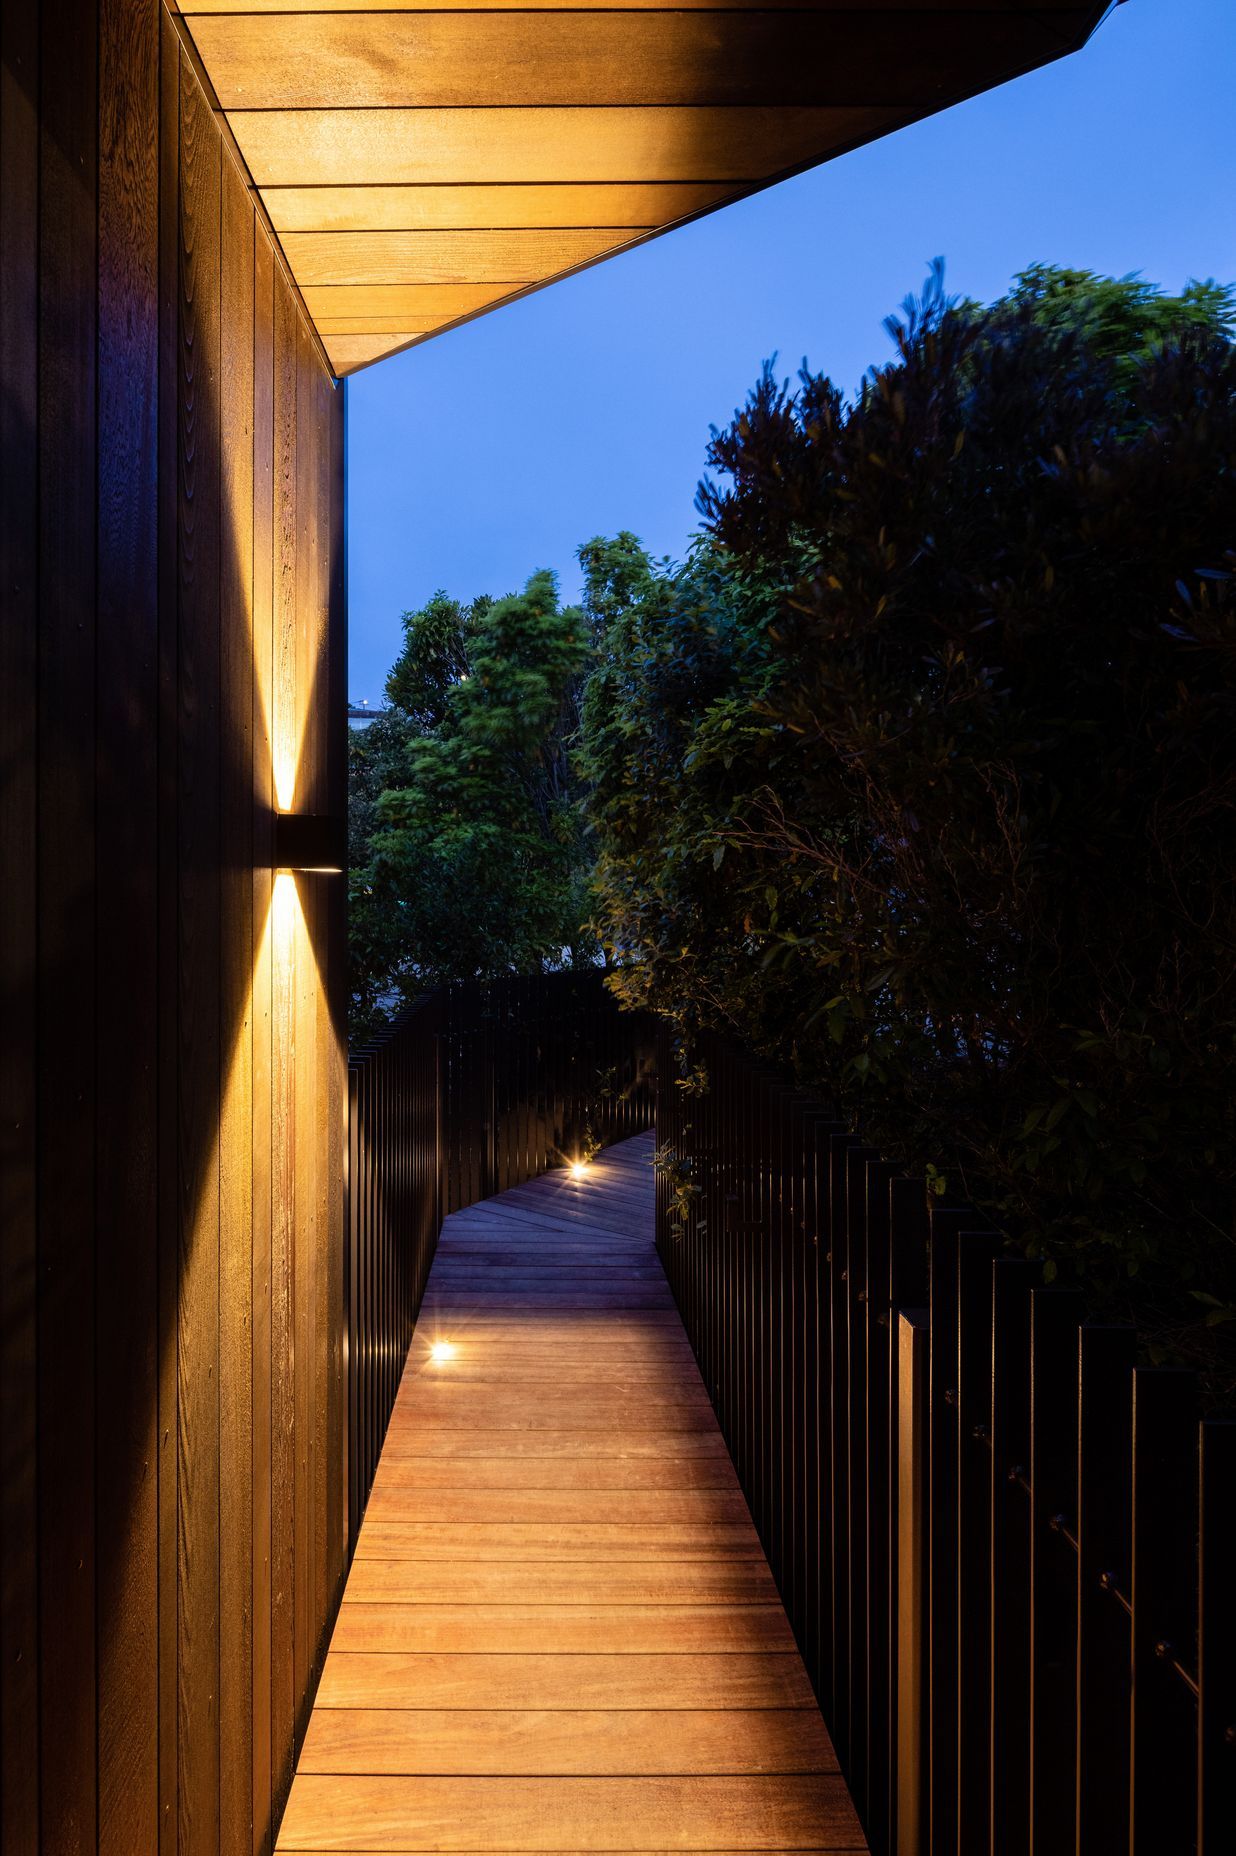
{"x": 395, "y": 1679}
{"x": 560, "y": 1632}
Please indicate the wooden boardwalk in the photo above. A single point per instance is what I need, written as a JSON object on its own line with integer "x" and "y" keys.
{"x": 560, "y": 1632}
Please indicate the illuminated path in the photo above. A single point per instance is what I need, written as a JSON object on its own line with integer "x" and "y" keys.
{"x": 560, "y": 1632}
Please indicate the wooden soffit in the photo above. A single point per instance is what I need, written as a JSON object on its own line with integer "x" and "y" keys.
{"x": 421, "y": 165}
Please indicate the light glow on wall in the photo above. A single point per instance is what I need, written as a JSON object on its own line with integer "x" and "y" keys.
{"x": 284, "y": 911}
{"x": 284, "y": 756}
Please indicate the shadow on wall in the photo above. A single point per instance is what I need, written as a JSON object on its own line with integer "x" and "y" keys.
{"x": 173, "y": 1065}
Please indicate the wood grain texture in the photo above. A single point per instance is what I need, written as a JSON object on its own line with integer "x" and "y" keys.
{"x": 788, "y": 1812}
{"x": 438, "y": 302}
{"x": 571, "y": 1637}
{"x": 622, "y": 1335}
{"x": 500, "y": 1344}
{"x": 167, "y": 986}
{"x": 658, "y": 1681}
{"x": 348, "y": 352}
{"x": 196, "y": 8}
{"x": 440, "y": 257}
{"x": 568, "y": 1444}
{"x": 283, "y": 1110}
{"x": 489, "y": 121}
{"x": 481, "y": 208}
{"x": 598, "y": 1541}
{"x": 332, "y": 944}
{"x": 264, "y": 275}
{"x": 65, "y": 850}
{"x": 19, "y": 945}
{"x": 591, "y": 1507}
{"x": 135, "y": 661}
{"x": 200, "y": 848}
{"x": 567, "y": 1630}
{"x": 304, "y": 1235}
{"x": 532, "y": 1300}
{"x": 332, "y": 147}
{"x": 564, "y": 1582}
{"x": 524, "y": 1408}
{"x": 237, "y": 956}
{"x": 128, "y": 928}
{"x": 536, "y": 1742}
{"x": 660, "y": 57}
{"x": 405, "y": 328}
{"x": 481, "y": 1323}
{"x": 615, "y": 1475}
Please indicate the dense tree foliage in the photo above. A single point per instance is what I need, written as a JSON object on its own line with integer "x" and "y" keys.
{"x": 920, "y": 775}
{"x": 470, "y": 850}
{"x": 467, "y": 838}
{"x": 377, "y": 951}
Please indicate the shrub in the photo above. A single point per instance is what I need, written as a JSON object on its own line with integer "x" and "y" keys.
{"x": 920, "y": 775}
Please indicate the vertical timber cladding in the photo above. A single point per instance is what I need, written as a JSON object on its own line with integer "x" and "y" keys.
{"x": 172, "y": 1059}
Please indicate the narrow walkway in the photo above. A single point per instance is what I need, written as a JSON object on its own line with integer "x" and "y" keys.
{"x": 560, "y": 1632}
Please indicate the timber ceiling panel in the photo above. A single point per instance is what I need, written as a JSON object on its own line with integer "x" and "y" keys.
{"x": 421, "y": 164}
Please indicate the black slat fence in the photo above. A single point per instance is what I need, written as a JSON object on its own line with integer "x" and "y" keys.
{"x": 1007, "y": 1550}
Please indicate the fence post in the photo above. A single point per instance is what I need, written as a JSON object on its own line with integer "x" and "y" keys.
{"x": 947, "y": 1224}
{"x": 913, "y": 1336}
{"x": 1216, "y": 1762}
{"x": 977, "y": 1253}
{"x": 1106, "y": 1357}
{"x": 350, "y": 1215}
{"x": 1161, "y": 1723}
{"x": 440, "y": 1162}
{"x": 1055, "y": 1317}
{"x": 1008, "y": 1724}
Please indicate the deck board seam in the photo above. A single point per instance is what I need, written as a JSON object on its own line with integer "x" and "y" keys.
{"x": 449, "y": 1667}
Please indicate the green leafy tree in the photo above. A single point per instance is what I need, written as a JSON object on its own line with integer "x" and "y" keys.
{"x": 434, "y": 659}
{"x": 1124, "y": 320}
{"x": 377, "y": 759}
{"x": 475, "y": 862}
{"x": 919, "y": 775}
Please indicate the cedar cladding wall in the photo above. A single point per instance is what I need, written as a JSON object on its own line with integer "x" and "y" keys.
{"x": 171, "y": 1095}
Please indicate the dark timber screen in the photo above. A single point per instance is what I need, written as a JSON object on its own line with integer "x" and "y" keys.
{"x": 472, "y": 1090}
{"x": 1008, "y": 1551}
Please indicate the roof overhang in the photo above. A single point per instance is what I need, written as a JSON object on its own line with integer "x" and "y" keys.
{"x": 420, "y": 166}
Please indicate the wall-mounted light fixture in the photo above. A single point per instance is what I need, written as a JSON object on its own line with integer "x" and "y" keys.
{"x": 308, "y": 841}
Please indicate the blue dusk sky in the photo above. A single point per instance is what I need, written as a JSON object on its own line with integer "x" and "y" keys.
{"x": 497, "y": 449}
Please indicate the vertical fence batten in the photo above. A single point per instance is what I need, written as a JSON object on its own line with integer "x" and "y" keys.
{"x": 909, "y": 1832}
{"x": 1055, "y": 1315}
{"x": 1008, "y": 1553}
{"x": 1162, "y": 1596}
{"x": 1008, "y": 1723}
{"x": 1104, "y": 1458}
{"x": 1216, "y": 1747}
